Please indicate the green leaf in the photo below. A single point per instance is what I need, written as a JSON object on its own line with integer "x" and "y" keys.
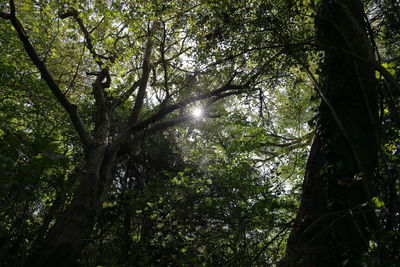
{"x": 377, "y": 202}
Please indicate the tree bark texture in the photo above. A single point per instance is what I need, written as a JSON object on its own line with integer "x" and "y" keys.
{"x": 66, "y": 238}
{"x": 335, "y": 220}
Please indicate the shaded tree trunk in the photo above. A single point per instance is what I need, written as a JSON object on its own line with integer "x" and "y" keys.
{"x": 66, "y": 238}
{"x": 335, "y": 221}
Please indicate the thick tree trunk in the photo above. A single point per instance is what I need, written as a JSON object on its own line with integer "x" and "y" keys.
{"x": 66, "y": 238}
{"x": 335, "y": 221}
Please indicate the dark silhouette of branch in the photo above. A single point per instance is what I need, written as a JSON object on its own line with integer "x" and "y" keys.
{"x": 159, "y": 127}
{"x": 146, "y": 68}
{"x": 71, "y": 109}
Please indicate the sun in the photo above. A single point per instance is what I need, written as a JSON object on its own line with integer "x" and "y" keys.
{"x": 197, "y": 112}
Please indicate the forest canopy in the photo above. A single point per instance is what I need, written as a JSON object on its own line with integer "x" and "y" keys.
{"x": 199, "y": 133}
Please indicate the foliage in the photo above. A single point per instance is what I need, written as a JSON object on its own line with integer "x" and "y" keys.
{"x": 37, "y": 155}
{"x": 217, "y": 207}
{"x": 219, "y": 190}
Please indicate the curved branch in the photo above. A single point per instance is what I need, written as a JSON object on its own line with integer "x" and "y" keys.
{"x": 165, "y": 110}
{"x": 71, "y": 109}
{"x": 88, "y": 39}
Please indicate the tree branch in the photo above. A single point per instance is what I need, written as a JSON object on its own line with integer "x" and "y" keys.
{"x": 165, "y": 110}
{"x": 162, "y": 126}
{"x": 103, "y": 79}
{"x": 101, "y": 115}
{"x": 146, "y": 68}
{"x": 164, "y": 64}
{"x": 88, "y": 40}
{"x": 126, "y": 95}
{"x": 48, "y": 78}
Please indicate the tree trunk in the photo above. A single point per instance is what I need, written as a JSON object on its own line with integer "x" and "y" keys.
{"x": 335, "y": 221}
{"x": 66, "y": 238}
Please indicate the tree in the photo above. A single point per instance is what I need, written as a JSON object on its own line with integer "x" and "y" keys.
{"x": 103, "y": 139}
{"x": 336, "y": 220}
{"x": 36, "y": 161}
{"x": 118, "y": 179}
{"x": 222, "y": 211}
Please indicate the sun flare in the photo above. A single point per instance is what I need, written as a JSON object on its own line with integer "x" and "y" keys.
{"x": 197, "y": 112}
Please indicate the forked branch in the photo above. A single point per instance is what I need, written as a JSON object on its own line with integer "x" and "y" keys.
{"x": 71, "y": 109}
